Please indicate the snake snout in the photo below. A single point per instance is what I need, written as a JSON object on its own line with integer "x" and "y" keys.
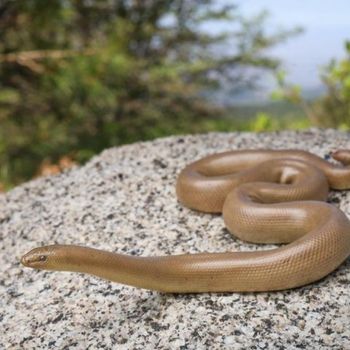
{"x": 34, "y": 258}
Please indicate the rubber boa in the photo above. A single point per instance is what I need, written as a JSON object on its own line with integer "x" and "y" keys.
{"x": 265, "y": 196}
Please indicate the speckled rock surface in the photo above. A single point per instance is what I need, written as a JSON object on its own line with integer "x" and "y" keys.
{"x": 124, "y": 200}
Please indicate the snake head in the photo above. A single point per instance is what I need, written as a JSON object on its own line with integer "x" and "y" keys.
{"x": 57, "y": 257}
{"x": 41, "y": 258}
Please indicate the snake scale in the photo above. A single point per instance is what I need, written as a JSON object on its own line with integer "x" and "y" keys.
{"x": 265, "y": 196}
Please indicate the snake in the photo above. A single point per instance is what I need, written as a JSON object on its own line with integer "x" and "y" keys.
{"x": 265, "y": 196}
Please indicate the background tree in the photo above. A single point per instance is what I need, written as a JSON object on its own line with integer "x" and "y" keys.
{"x": 78, "y": 76}
{"x": 332, "y": 109}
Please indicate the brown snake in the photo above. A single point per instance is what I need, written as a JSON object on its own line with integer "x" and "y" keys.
{"x": 266, "y": 197}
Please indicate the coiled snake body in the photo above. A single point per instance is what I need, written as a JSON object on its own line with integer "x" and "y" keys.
{"x": 266, "y": 197}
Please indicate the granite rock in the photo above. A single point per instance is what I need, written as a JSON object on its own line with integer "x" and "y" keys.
{"x": 123, "y": 200}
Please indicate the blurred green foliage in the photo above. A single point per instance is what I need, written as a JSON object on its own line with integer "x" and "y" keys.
{"x": 79, "y": 76}
{"x": 333, "y": 108}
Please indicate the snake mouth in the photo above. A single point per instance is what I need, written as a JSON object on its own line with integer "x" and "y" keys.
{"x": 33, "y": 259}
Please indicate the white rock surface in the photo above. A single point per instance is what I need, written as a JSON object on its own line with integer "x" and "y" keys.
{"x": 124, "y": 200}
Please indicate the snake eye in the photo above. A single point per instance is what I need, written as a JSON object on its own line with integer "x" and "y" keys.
{"x": 42, "y": 257}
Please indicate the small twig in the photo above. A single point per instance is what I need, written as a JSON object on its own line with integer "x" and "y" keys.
{"x": 309, "y": 111}
{"x": 23, "y": 56}
{"x": 30, "y": 59}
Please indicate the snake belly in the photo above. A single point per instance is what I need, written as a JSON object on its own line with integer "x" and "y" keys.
{"x": 265, "y": 196}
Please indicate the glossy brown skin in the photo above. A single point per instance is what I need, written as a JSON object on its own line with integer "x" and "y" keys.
{"x": 266, "y": 197}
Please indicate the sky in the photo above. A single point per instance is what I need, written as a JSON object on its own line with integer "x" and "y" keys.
{"x": 326, "y": 26}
